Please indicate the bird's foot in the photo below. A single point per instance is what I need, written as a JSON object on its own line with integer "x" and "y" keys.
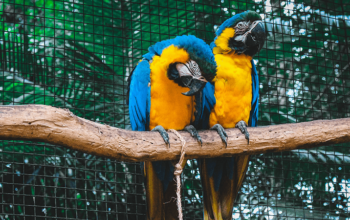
{"x": 221, "y": 131}
{"x": 241, "y": 125}
{"x": 194, "y": 133}
{"x": 162, "y": 133}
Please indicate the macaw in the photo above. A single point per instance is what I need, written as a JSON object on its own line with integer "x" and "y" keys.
{"x": 236, "y": 92}
{"x": 159, "y": 99}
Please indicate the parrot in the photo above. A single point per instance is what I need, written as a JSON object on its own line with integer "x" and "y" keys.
{"x": 165, "y": 91}
{"x": 236, "y": 94}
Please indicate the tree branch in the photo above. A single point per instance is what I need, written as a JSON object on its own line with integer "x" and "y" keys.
{"x": 61, "y": 127}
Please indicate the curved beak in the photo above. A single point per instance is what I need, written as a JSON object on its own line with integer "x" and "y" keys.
{"x": 195, "y": 86}
{"x": 257, "y": 36}
{"x": 191, "y": 77}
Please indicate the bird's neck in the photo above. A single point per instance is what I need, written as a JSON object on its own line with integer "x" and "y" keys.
{"x": 233, "y": 65}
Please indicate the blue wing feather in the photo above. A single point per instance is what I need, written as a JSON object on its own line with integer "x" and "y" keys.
{"x": 208, "y": 103}
{"x": 139, "y": 97}
{"x": 204, "y": 106}
{"x": 253, "y": 119}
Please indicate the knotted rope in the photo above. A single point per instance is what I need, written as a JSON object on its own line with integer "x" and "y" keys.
{"x": 178, "y": 171}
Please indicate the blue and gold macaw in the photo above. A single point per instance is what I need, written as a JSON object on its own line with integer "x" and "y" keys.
{"x": 236, "y": 91}
{"x": 159, "y": 99}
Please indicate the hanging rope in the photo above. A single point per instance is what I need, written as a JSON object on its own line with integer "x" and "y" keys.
{"x": 178, "y": 171}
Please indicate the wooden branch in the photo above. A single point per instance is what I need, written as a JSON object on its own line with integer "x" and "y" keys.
{"x": 61, "y": 127}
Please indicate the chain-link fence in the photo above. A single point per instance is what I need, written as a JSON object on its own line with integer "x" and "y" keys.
{"x": 78, "y": 54}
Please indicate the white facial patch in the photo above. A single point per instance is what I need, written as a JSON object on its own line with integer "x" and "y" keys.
{"x": 190, "y": 68}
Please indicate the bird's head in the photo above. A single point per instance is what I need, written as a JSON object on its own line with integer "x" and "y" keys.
{"x": 192, "y": 64}
{"x": 243, "y": 33}
{"x": 193, "y": 74}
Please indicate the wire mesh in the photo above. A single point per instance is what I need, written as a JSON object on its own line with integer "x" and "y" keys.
{"x": 78, "y": 54}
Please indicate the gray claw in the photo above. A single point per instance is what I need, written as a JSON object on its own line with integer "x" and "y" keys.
{"x": 221, "y": 131}
{"x": 241, "y": 125}
{"x": 162, "y": 133}
{"x": 192, "y": 130}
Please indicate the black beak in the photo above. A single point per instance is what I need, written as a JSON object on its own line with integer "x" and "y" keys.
{"x": 257, "y": 37}
{"x": 195, "y": 85}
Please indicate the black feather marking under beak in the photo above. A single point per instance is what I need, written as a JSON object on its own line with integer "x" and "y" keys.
{"x": 191, "y": 77}
{"x": 196, "y": 86}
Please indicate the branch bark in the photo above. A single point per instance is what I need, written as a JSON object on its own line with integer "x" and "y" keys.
{"x": 61, "y": 127}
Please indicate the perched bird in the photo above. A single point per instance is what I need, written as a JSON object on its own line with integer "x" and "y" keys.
{"x": 165, "y": 92}
{"x": 236, "y": 91}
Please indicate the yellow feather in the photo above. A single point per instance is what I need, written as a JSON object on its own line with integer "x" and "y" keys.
{"x": 221, "y": 41}
{"x": 233, "y": 90}
{"x": 169, "y": 107}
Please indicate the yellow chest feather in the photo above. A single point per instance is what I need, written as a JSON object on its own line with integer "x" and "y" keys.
{"x": 169, "y": 108}
{"x": 233, "y": 90}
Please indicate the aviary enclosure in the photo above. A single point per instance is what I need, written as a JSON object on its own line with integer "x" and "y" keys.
{"x": 78, "y": 55}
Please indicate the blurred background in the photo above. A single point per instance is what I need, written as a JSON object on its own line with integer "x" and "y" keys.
{"x": 77, "y": 55}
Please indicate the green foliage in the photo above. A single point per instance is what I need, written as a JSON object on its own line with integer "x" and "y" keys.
{"x": 78, "y": 54}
